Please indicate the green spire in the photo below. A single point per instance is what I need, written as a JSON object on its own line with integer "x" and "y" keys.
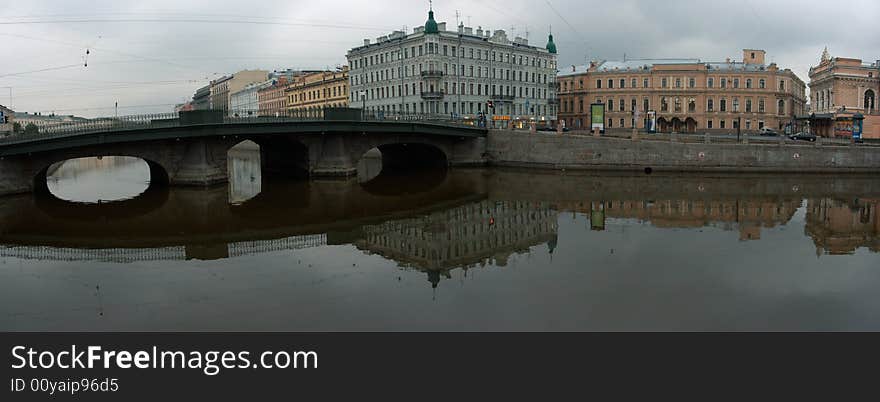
{"x": 431, "y": 25}
{"x": 551, "y": 47}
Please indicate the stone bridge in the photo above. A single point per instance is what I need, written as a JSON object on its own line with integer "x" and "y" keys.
{"x": 181, "y": 150}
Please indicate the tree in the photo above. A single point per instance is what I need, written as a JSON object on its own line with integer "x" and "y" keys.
{"x": 16, "y": 127}
{"x": 31, "y": 128}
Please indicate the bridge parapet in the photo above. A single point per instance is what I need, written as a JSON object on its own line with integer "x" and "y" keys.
{"x": 122, "y": 124}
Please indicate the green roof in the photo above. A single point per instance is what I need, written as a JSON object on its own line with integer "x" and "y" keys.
{"x": 551, "y": 47}
{"x": 431, "y": 25}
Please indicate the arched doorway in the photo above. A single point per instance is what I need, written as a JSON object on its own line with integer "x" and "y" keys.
{"x": 691, "y": 125}
{"x": 676, "y": 125}
{"x": 662, "y": 125}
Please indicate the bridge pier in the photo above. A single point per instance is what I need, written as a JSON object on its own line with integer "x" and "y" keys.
{"x": 203, "y": 163}
{"x": 15, "y": 177}
{"x": 331, "y": 156}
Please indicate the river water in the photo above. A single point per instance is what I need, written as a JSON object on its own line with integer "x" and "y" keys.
{"x": 460, "y": 250}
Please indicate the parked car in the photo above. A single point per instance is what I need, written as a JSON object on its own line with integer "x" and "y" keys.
{"x": 803, "y": 137}
{"x": 767, "y": 131}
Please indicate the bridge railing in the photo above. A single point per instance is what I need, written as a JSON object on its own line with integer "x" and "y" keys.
{"x": 170, "y": 120}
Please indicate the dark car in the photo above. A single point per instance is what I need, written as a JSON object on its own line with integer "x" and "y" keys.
{"x": 768, "y": 132}
{"x": 803, "y": 137}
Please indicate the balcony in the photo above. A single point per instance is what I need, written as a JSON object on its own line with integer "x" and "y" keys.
{"x": 432, "y": 74}
{"x": 432, "y": 95}
{"x": 497, "y": 97}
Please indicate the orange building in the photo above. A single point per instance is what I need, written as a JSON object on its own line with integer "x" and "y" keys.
{"x": 841, "y": 89}
{"x": 684, "y": 95}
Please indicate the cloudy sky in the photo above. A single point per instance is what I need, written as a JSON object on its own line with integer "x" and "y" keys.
{"x": 150, "y": 55}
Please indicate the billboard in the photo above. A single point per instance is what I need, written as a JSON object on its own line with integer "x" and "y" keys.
{"x": 597, "y": 116}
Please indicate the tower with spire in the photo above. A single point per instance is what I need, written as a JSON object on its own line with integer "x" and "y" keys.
{"x": 431, "y": 24}
{"x": 551, "y": 46}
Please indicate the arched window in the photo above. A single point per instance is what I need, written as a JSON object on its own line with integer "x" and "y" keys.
{"x": 664, "y": 104}
{"x": 749, "y": 83}
{"x": 692, "y": 105}
{"x": 869, "y": 100}
{"x": 780, "y": 106}
{"x": 762, "y": 84}
{"x": 677, "y": 105}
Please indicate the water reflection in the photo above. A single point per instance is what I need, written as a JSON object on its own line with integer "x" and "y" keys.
{"x": 100, "y": 179}
{"x": 843, "y": 226}
{"x": 500, "y": 249}
{"x": 245, "y": 175}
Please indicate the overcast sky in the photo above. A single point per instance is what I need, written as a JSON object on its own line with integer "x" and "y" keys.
{"x": 151, "y": 54}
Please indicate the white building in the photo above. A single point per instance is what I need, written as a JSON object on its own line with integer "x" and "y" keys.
{"x": 456, "y": 73}
{"x": 246, "y": 101}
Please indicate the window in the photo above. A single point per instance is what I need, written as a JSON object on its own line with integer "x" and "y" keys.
{"x": 749, "y": 83}
{"x": 723, "y": 124}
{"x": 678, "y": 82}
{"x": 762, "y": 83}
{"x": 761, "y": 105}
{"x": 622, "y": 105}
{"x": 664, "y": 83}
{"x": 780, "y": 106}
{"x": 710, "y": 83}
{"x": 723, "y": 82}
{"x": 645, "y": 104}
{"x": 723, "y": 105}
{"x": 610, "y": 83}
{"x": 622, "y": 83}
{"x": 633, "y": 104}
{"x": 632, "y": 83}
{"x": 692, "y": 105}
{"x": 599, "y": 84}
{"x": 781, "y": 86}
{"x": 748, "y": 105}
{"x": 677, "y": 105}
{"x": 610, "y": 105}
{"x": 692, "y": 83}
{"x": 709, "y": 124}
{"x": 710, "y": 105}
{"x": 736, "y": 83}
{"x": 664, "y": 104}
{"x": 735, "y": 105}
{"x": 645, "y": 83}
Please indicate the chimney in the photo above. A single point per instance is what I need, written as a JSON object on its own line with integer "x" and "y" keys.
{"x": 366, "y": 42}
{"x": 479, "y": 31}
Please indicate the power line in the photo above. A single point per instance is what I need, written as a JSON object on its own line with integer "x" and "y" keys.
{"x": 42, "y": 70}
{"x": 188, "y": 21}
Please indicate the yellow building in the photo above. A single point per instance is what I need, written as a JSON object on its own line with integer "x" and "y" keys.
{"x": 310, "y": 94}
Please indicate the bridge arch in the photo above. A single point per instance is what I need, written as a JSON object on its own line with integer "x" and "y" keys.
{"x": 158, "y": 174}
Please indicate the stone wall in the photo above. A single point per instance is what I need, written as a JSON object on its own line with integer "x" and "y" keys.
{"x": 507, "y": 148}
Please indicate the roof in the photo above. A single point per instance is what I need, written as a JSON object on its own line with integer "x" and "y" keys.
{"x": 647, "y": 64}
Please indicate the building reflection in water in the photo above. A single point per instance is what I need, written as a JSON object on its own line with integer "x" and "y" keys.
{"x": 841, "y": 227}
{"x": 245, "y": 175}
{"x": 98, "y": 179}
{"x": 478, "y": 234}
{"x": 746, "y": 216}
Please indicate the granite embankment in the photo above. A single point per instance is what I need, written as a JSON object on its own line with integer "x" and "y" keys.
{"x": 554, "y": 151}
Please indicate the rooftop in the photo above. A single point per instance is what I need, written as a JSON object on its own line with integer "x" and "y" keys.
{"x": 647, "y": 64}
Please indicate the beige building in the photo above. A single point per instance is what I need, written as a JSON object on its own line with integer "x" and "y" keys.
{"x": 840, "y": 89}
{"x": 312, "y": 93}
{"x": 686, "y": 95}
{"x": 222, "y": 88}
{"x": 272, "y": 99}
